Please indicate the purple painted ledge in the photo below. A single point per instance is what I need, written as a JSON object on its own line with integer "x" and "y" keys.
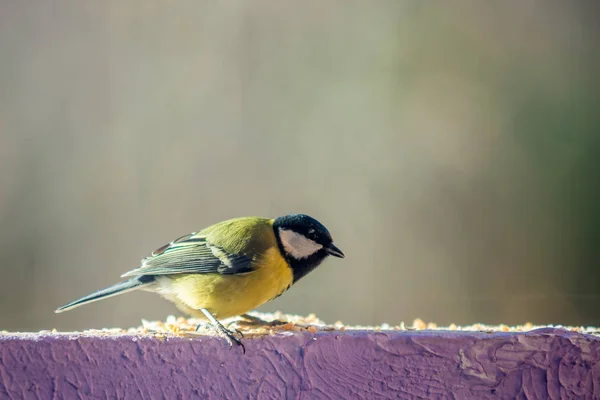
{"x": 544, "y": 363}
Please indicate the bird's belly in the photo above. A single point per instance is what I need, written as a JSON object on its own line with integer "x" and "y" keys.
{"x": 229, "y": 295}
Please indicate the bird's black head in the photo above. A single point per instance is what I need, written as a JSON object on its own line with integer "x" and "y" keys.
{"x": 304, "y": 242}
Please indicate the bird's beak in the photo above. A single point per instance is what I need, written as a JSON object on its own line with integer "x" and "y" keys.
{"x": 332, "y": 250}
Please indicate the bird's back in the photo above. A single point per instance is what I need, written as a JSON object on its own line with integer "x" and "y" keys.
{"x": 247, "y": 235}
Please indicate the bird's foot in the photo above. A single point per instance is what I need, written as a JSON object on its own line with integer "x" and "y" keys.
{"x": 224, "y": 332}
{"x": 252, "y": 322}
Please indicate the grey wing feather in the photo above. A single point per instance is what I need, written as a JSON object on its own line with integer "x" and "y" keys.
{"x": 192, "y": 255}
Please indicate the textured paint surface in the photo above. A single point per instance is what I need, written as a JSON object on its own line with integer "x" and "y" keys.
{"x": 546, "y": 363}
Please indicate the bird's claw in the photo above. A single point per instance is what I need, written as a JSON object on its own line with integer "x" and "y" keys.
{"x": 231, "y": 339}
{"x": 229, "y": 336}
{"x": 240, "y": 334}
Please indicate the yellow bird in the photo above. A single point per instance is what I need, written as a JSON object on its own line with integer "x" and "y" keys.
{"x": 229, "y": 268}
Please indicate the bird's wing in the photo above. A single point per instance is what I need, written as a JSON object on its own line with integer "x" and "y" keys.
{"x": 192, "y": 254}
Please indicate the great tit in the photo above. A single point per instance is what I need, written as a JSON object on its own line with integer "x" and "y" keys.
{"x": 229, "y": 268}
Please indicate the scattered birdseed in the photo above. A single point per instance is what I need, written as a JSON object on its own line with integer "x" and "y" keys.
{"x": 289, "y": 324}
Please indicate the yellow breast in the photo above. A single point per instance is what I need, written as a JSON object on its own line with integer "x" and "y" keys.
{"x": 230, "y": 295}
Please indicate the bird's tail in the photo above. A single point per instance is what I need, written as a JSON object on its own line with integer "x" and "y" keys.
{"x": 119, "y": 288}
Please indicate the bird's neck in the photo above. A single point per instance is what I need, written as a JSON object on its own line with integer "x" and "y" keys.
{"x": 302, "y": 267}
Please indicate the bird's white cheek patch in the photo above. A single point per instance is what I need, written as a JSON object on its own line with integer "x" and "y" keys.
{"x": 297, "y": 245}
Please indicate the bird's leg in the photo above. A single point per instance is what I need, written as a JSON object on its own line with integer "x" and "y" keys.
{"x": 251, "y": 320}
{"x": 231, "y": 339}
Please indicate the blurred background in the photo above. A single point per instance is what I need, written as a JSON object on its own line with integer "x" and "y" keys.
{"x": 451, "y": 149}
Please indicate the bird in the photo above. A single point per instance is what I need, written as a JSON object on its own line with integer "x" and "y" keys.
{"x": 229, "y": 268}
